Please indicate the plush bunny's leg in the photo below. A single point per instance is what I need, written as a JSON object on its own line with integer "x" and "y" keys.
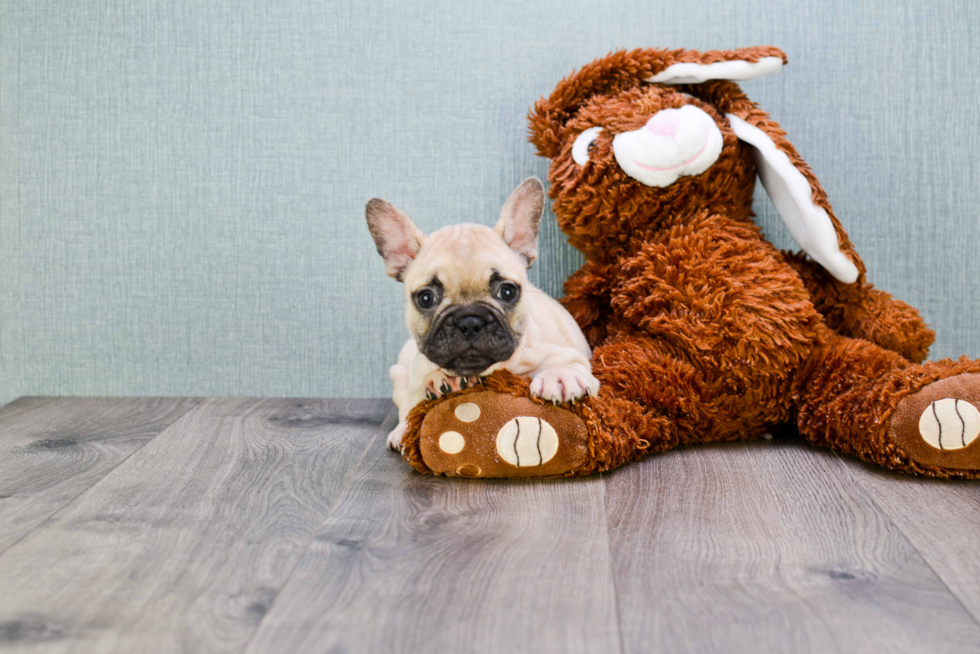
{"x": 859, "y": 398}
{"x": 498, "y": 429}
{"x": 687, "y": 393}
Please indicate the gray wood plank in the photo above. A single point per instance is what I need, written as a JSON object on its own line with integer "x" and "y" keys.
{"x": 940, "y": 518}
{"x": 184, "y": 546}
{"x": 769, "y": 547}
{"x": 302, "y": 411}
{"x": 411, "y": 563}
{"x": 53, "y": 449}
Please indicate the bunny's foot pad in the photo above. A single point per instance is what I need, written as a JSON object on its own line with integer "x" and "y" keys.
{"x": 939, "y": 426}
{"x": 487, "y": 434}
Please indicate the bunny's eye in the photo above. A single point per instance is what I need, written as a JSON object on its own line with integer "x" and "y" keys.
{"x": 584, "y": 144}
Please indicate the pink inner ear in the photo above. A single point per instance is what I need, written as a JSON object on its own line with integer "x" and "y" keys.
{"x": 402, "y": 246}
{"x": 403, "y": 251}
{"x": 397, "y": 238}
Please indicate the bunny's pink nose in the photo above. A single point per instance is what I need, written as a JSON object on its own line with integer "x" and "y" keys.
{"x": 664, "y": 123}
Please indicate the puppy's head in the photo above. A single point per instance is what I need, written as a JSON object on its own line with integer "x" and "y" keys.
{"x": 463, "y": 282}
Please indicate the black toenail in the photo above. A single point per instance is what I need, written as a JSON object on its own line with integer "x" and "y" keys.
{"x": 463, "y": 383}
{"x": 429, "y": 394}
{"x": 445, "y": 389}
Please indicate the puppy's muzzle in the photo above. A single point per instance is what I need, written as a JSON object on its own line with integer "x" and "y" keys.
{"x": 467, "y": 339}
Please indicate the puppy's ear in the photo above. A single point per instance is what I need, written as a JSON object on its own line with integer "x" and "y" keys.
{"x": 397, "y": 238}
{"x": 521, "y": 217}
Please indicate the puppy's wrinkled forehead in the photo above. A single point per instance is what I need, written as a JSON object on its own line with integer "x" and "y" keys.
{"x": 463, "y": 258}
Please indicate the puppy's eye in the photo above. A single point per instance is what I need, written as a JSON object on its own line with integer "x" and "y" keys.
{"x": 584, "y": 145}
{"x": 508, "y": 292}
{"x": 425, "y": 299}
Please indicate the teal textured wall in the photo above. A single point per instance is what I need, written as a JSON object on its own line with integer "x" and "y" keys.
{"x": 182, "y": 183}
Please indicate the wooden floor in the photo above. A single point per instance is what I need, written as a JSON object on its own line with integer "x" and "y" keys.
{"x": 226, "y": 525}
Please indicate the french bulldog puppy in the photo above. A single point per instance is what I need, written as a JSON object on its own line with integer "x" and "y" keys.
{"x": 471, "y": 309}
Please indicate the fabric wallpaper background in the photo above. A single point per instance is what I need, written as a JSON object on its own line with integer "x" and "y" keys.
{"x": 182, "y": 183}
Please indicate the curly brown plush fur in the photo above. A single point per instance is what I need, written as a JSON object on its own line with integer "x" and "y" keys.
{"x": 702, "y": 330}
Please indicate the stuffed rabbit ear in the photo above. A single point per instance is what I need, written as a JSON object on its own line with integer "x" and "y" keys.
{"x": 790, "y": 191}
{"x": 791, "y": 185}
{"x": 736, "y": 70}
{"x": 627, "y": 69}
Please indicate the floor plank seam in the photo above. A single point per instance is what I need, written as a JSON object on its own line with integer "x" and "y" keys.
{"x": 925, "y": 560}
{"x": 612, "y": 572}
{"x": 330, "y": 512}
{"x": 193, "y": 407}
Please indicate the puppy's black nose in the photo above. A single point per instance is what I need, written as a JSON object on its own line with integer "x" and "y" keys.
{"x": 470, "y": 327}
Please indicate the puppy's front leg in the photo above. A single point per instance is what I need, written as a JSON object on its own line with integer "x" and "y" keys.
{"x": 408, "y": 378}
{"x": 564, "y": 375}
{"x": 440, "y": 382}
{"x": 564, "y": 383}
{"x": 400, "y": 396}
{"x": 414, "y": 379}
{"x": 411, "y": 386}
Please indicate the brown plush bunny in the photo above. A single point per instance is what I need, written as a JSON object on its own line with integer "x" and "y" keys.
{"x": 702, "y": 330}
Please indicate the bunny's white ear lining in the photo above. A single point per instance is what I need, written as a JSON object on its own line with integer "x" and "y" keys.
{"x": 791, "y": 194}
{"x": 736, "y": 71}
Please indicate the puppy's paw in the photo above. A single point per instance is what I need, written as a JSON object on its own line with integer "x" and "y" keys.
{"x": 395, "y": 437}
{"x": 563, "y": 384}
{"x": 439, "y": 383}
